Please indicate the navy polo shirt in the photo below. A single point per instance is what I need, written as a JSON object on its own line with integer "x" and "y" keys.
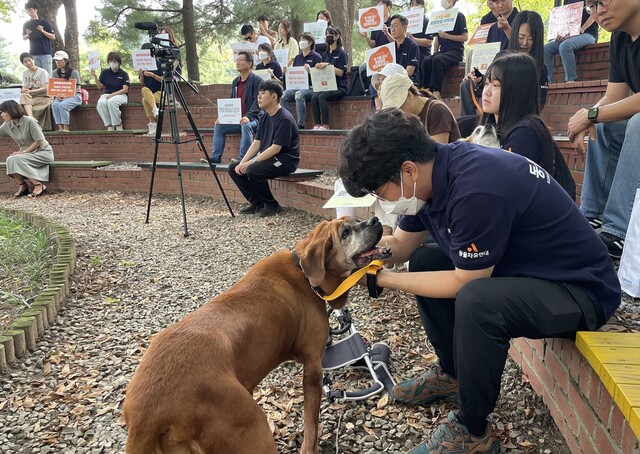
{"x": 151, "y": 83}
{"x": 338, "y": 58}
{"x": 40, "y": 45}
{"x": 497, "y": 35}
{"x": 273, "y": 66}
{"x": 488, "y": 18}
{"x": 493, "y": 208}
{"x": 424, "y": 51}
{"x": 379, "y": 37}
{"x": 460, "y": 28}
{"x": 113, "y": 81}
{"x": 311, "y": 59}
{"x": 408, "y": 54}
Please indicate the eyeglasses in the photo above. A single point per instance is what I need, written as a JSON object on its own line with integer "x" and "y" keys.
{"x": 241, "y": 60}
{"x": 592, "y": 8}
{"x": 379, "y": 195}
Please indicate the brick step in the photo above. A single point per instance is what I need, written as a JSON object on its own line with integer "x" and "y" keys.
{"x": 299, "y": 175}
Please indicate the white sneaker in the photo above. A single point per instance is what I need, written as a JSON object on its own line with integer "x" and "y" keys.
{"x": 152, "y": 129}
{"x": 155, "y": 111}
{"x": 119, "y": 127}
{"x": 110, "y": 128}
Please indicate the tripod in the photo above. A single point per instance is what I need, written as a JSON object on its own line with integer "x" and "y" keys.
{"x": 169, "y": 91}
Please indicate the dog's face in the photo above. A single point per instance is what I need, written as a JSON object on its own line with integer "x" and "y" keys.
{"x": 340, "y": 246}
{"x": 485, "y": 135}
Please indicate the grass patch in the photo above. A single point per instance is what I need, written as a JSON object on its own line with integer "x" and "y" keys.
{"x": 26, "y": 254}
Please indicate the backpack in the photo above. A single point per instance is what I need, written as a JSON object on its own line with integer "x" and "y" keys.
{"x": 357, "y": 85}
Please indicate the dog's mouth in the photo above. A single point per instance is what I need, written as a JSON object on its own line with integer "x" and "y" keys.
{"x": 375, "y": 253}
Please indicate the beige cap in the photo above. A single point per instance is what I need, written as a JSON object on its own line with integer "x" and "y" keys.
{"x": 389, "y": 68}
{"x": 61, "y": 55}
{"x": 394, "y": 90}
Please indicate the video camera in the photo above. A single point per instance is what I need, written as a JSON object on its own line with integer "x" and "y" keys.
{"x": 161, "y": 48}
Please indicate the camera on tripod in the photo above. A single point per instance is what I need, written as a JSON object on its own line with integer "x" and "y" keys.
{"x": 161, "y": 48}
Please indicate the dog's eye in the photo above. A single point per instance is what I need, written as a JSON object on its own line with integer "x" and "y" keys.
{"x": 345, "y": 233}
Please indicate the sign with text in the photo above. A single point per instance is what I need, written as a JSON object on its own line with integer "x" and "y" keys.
{"x": 378, "y": 57}
{"x": 10, "y": 94}
{"x": 317, "y": 30}
{"x": 264, "y": 74}
{"x": 324, "y": 79}
{"x": 229, "y": 111}
{"x": 415, "y": 18}
{"x": 246, "y": 47}
{"x": 94, "y": 60}
{"x": 442, "y": 21}
{"x": 371, "y": 19}
{"x": 282, "y": 56}
{"x": 142, "y": 60}
{"x": 62, "y": 87}
{"x": 480, "y": 35}
{"x": 565, "y": 21}
{"x": 483, "y": 55}
{"x": 342, "y": 199}
{"x": 297, "y": 78}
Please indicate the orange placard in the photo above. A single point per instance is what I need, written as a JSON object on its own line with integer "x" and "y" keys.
{"x": 370, "y": 18}
{"x": 379, "y": 57}
{"x": 481, "y": 34}
{"x": 62, "y": 87}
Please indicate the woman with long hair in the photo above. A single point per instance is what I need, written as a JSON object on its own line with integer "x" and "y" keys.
{"x": 323, "y": 16}
{"x": 287, "y": 41}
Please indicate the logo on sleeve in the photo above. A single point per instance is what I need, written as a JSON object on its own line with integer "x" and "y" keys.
{"x": 472, "y": 252}
{"x": 538, "y": 172}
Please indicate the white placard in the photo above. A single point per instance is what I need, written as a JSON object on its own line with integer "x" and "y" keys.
{"x": 10, "y": 94}
{"x": 317, "y": 30}
{"x": 94, "y": 60}
{"x": 565, "y": 20}
{"x": 442, "y": 21}
{"x": 142, "y": 60}
{"x": 324, "y": 79}
{"x": 229, "y": 111}
{"x": 415, "y": 18}
{"x": 342, "y": 199}
{"x": 371, "y": 19}
{"x": 264, "y": 74}
{"x": 378, "y": 57}
{"x": 483, "y": 55}
{"x": 247, "y": 47}
{"x": 282, "y": 57}
{"x": 297, "y": 78}
{"x": 480, "y": 35}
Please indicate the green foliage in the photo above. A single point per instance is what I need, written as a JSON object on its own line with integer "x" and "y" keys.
{"x": 6, "y": 9}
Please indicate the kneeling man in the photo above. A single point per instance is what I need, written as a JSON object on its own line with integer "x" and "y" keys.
{"x": 275, "y": 152}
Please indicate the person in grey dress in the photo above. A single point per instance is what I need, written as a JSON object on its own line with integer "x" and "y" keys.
{"x": 31, "y": 161}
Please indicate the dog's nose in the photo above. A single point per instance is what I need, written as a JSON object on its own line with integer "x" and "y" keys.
{"x": 372, "y": 221}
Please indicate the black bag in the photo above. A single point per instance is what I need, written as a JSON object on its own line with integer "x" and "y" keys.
{"x": 562, "y": 174}
{"x": 357, "y": 87}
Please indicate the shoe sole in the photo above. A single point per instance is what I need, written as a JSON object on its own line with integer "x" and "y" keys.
{"x": 446, "y": 398}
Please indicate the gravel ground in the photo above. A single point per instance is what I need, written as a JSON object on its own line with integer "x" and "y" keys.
{"x": 133, "y": 279}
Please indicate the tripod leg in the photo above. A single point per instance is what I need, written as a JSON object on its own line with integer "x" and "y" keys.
{"x": 155, "y": 149}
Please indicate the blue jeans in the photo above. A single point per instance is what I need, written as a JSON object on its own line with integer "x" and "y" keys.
{"x": 612, "y": 175}
{"x": 220, "y": 134}
{"x": 566, "y": 49}
{"x": 62, "y": 108}
{"x": 301, "y": 97}
{"x": 43, "y": 61}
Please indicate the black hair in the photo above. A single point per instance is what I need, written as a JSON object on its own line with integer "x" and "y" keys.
{"x": 536, "y": 27}
{"x": 388, "y": 3}
{"x": 247, "y": 56}
{"x": 33, "y": 5}
{"x": 308, "y": 37}
{"x": 262, "y": 17}
{"x": 335, "y": 31}
{"x": 24, "y": 55}
{"x": 114, "y": 56}
{"x": 67, "y": 71}
{"x": 286, "y": 24}
{"x": 373, "y": 152}
{"x": 403, "y": 20}
{"x": 247, "y": 28}
{"x": 272, "y": 87}
{"x": 15, "y": 110}
{"x": 267, "y": 47}
{"x": 326, "y": 14}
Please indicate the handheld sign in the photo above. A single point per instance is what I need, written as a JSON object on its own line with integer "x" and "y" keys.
{"x": 297, "y": 78}
{"x": 480, "y": 35}
{"x": 378, "y": 57}
{"x": 10, "y": 94}
{"x": 342, "y": 199}
{"x": 282, "y": 56}
{"x": 415, "y": 18}
{"x": 324, "y": 79}
{"x": 94, "y": 60}
{"x": 262, "y": 73}
{"x": 62, "y": 87}
{"x": 229, "y": 111}
{"x": 483, "y": 55}
{"x": 317, "y": 30}
{"x": 442, "y": 21}
{"x": 565, "y": 20}
{"x": 142, "y": 60}
{"x": 247, "y": 47}
{"x": 370, "y": 19}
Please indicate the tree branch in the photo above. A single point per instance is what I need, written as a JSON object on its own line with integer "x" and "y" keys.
{"x": 179, "y": 11}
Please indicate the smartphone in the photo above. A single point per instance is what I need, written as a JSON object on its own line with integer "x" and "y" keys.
{"x": 477, "y": 72}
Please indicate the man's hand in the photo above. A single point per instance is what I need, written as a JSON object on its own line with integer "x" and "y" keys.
{"x": 579, "y": 127}
{"x": 241, "y": 168}
{"x": 472, "y": 76}
{"x": 503, "y": 23}
{"x": 244, "y": 121}
{"x": 25, "y": 91}
{"x": 363, "y": 34}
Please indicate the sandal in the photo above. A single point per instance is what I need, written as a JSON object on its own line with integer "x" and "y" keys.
{"x": 22, "y": 192}
{"x": 38, "y": 194}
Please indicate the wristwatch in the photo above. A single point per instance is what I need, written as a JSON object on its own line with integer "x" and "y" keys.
{"x": 592, "y": 114}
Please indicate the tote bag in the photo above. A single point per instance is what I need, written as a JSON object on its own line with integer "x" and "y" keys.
{"x": 629, "y": 271}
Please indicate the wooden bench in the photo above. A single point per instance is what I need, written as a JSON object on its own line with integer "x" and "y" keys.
{"x": 615, "y": 357}
{"x": 298, "y": 175}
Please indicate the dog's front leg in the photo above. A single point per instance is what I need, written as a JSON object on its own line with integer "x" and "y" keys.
{"x": 312, "y": 387}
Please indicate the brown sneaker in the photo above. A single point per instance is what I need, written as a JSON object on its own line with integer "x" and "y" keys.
{"x": 431, "y": 385}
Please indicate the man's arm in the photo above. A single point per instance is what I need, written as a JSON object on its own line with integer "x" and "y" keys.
{"x": 402, "y": 244}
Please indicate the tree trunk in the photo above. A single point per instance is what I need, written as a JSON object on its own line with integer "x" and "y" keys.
{"x": 71, "y": 44}
{"x": 189, "y": 30}
{"x": 342, "y": 13}
{"x": 48, "y": 10}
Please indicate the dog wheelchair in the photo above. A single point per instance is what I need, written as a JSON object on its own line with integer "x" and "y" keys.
{"x": 351, "y": 350}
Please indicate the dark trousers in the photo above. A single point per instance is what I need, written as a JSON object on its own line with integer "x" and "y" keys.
{"x": 254, "y": 184}
{"x": 320, "y": 105}
{"x": 471, "y": 333}
{"x": 433, "y": 67}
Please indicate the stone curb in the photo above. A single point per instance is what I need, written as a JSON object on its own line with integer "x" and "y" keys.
{"x": 32, "y": 322}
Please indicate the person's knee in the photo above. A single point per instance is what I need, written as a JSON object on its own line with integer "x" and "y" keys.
{"x": 474, "y": 299}
{"x": 232, "y": 169}
{"x": 429, "y": 258}
{"x": 634, "y": 124}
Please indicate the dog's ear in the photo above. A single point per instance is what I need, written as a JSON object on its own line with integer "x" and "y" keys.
{"x": 313, "y": 252}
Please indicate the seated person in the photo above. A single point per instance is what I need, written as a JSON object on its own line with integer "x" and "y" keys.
{"x": 323, "y": 15}
{"x": 423, "y": 40}
{"x": 263, "y": 26}
{"x": 448, "y": 51}
{"x": 114, "y": 82}
{"x": 150, "y": 93}
{"x": 33, "y": 96}
{"x": 612, "y": 172}
{"x": 63, "y": 105}
{"x": 378, "y": 78}
{"x": 376, "y": 38}
{"x": 287, "y": 41}
{"x": 567, "y": 46}
{"x": 268, "y": 61}
{"x": 31, "y": 161}
{"x": 275, "y": 152}
{"x": 245, "y": 87}
{"x": 307, "y": 58}
{"x": 250, "y": 35}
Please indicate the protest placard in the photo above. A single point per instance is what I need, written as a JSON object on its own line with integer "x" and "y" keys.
{"x": 415, "y": 18}
{"x": 61, "y": 87}
{"x": 442, "y": 21}
{"x": 483, "y": 55}
{"x": 565, "y": 20}
{"x": 94, "y": 60}
{"x": 324, "y": 79}
{"x": 378, "y": 57}
{"x": 480, "y": 35}
{"x": 10, "y": 94}
{"x": 297, "y": 78}
{"x": 282, "y": 56}
{"x": 370, "y": 19}
{"x": 142, "y": 60}
{"x": 264, "y": 74}
{"x": 317, "y": 30}
{"x": 229, "y": 111}
{"x": 342, "y": 199}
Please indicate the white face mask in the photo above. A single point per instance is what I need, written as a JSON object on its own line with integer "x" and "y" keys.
{"x": 114, "y": 65}
{"x": 407, "y": 207}
{"x": 303, "y": 45}
{"x": 322, "y": 20}
{"x": 445, "y": 4}
{"x": 263, "y": 55}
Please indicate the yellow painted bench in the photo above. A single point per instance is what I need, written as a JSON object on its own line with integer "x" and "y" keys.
{"x": 615, "y": 357}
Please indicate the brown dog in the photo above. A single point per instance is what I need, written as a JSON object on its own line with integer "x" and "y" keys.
{"x": 192, "y": 392}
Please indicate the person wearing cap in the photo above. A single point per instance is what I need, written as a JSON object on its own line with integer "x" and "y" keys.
{"x": 63, "y": 105}
{"x": 377, "y": 78}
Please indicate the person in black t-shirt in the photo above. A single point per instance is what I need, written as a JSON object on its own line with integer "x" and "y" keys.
{"x": 274, "y": 152}
{"x": 40, "y": 34}
{"x": 612, "y": 172}
{"x": 423, "y": 40}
